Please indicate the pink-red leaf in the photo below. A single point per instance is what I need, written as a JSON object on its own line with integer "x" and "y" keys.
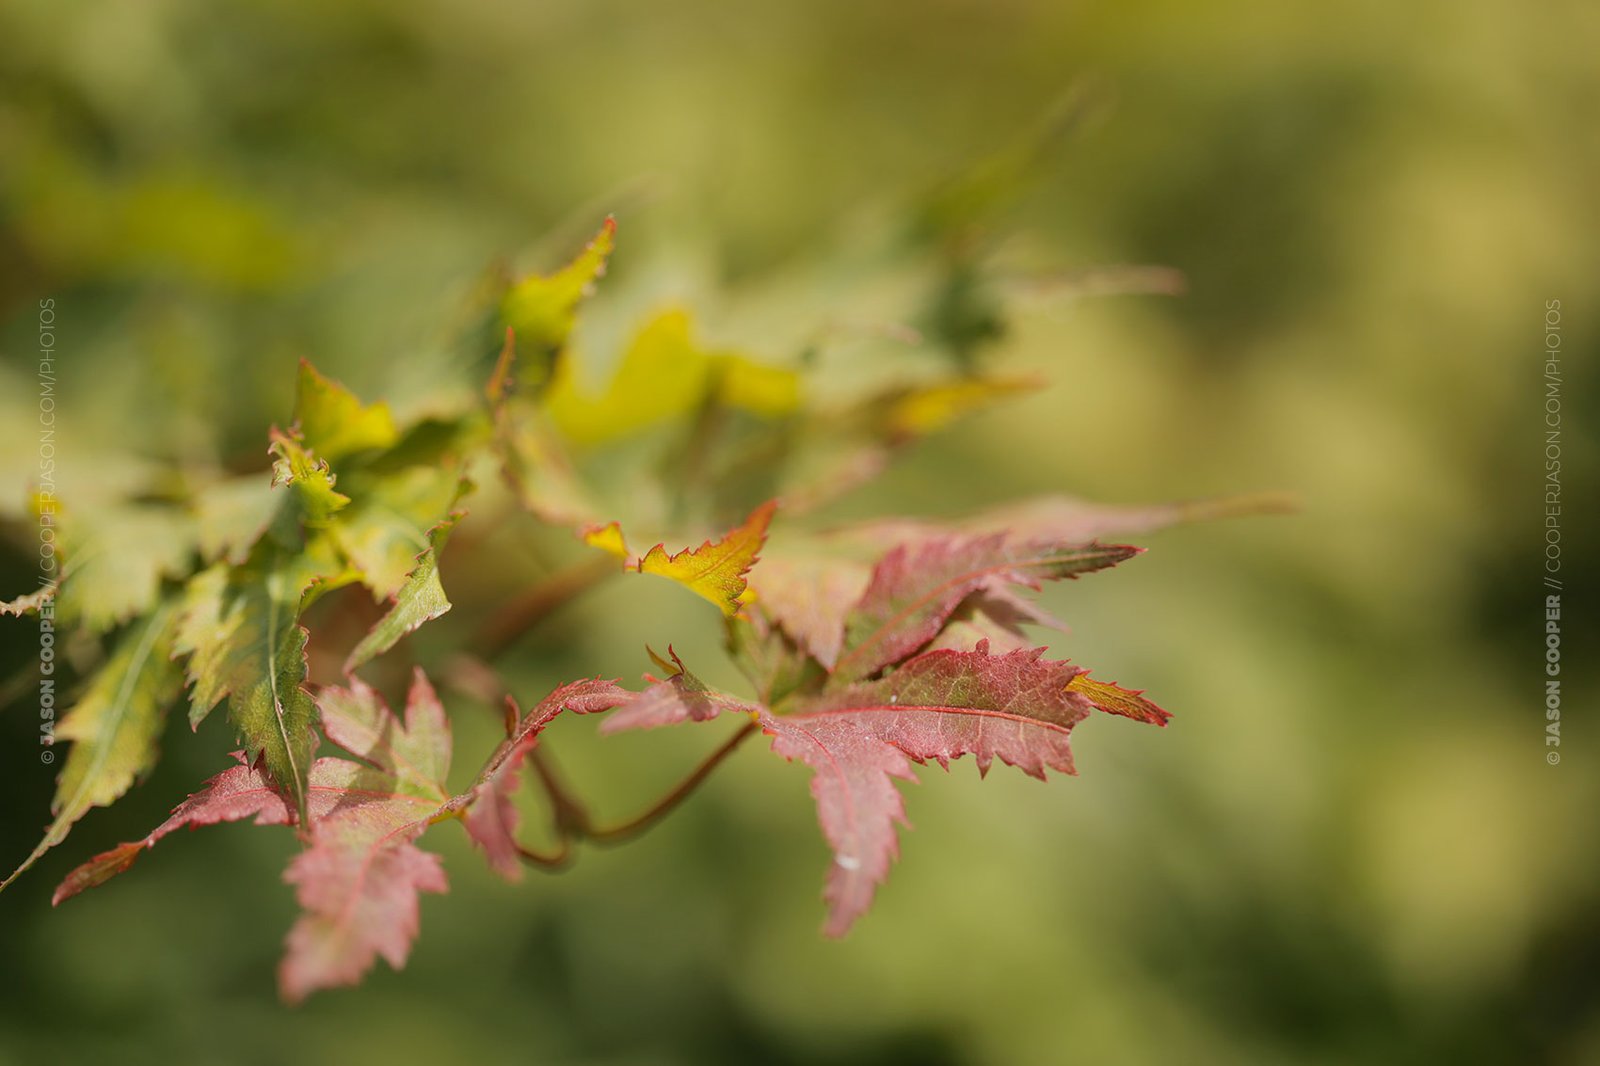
{"x": 1017, "y": 707}
{"x": 417, "y": 753}
{"x": 240, "y": 792}
{"x": 490, "y": 815}
{"x": 680, "y": 697}
{"x": 358, "y": 885}
{"x": 914, "y": 590}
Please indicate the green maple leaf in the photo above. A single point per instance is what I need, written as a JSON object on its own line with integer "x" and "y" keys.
{"x": 240, "y": 623}
{"x": 114, "y": 726}
{"x": 387, "y": 525}
{"x": 333, "y": 422}
{"x": 115, "y": 558}
{"x": 240, "y": 628}
{"x": 420, "y": 599}
{"x": 296, "y": 467}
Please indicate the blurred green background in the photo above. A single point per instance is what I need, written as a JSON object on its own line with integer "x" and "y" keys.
{"x": 1348, "y": 846}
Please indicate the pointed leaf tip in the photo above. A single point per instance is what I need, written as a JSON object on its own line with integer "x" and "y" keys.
{"x": 717, "y": 569}
{"x": 1111, "y": 698}
{"x": 333, "y": 422}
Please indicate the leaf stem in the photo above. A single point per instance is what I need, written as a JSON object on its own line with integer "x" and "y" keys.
{"x": 561, "y": 857}
{"x": 661, "y": 808}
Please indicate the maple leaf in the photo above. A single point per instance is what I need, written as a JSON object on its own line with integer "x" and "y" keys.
{"x": 239, "y": 792}
{"x": 1018, "y": 707}
{"x": 806, "y": 596}
{"x": 360, "y": 874}
{"x": 239, "y": 627}
{"x": 232, "y": 515}
{"x": 421, "y": 599}
{"x": 333, "y": 422}
{"x": 542, "y": 309}
{"x": 680, "y": 697}
{"x": 776, "y": 664}
{"x": 295, "y": 467}
{"x": 387, "y": 526}
{"x": 114, "y": 727}
{"x": 359, "y": 879}
{"x": 337, "y": 787}
{"x": 490, "y": 815}
{"x": 665, "y": 375}
{"x": 415, "y": 752}
{"x": 114, "y": 559}
{"x": 915, "y": 589}
{"x": 1070, "y": 519}
{"x": 532, "y": 458}
{"x": 358, "y": 884}
{"x": 716, "y": 571}
{"x": 1112, "y": 698}
{"x": 926, "y": 409}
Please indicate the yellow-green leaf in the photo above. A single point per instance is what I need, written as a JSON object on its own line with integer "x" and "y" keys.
{"x": 930, "y": 408}
{"x": 666, "y": 375}
{"x": 717, "y": 569}
{"x": 333, "y": 422}
{"x": 115, "y": 558}
{"x": 542, "y": 308}
{"x": 232, "y": 515}
{"x": 419, "y": 600}
{"x": 295, "y": 467}
{"x": 387, "y": 527}
{"x": 114, "y": 726}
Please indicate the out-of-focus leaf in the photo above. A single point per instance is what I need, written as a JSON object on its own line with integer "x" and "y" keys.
{"x": 1066, "y": 518}
{"x": 358, "y": 886}
{"x": 609, "y": 539}
{"x": 532, "y": 457}
{"x": 665, "y": 375}
{"x": 333, "y": 422}
{"x": 233, "y": 514}
{"x": 114, "y": 560}
{"x": 662, "y": 376}
{"x": 358, "y": 881}
{"x": 420, "y": 599}
{"x": 416, "y": 752}
{"x": 776, "y": 664}
{"x": 542, "y": 309}
{"x": 926, "y": 409}
{"x": 808, "y": 597}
